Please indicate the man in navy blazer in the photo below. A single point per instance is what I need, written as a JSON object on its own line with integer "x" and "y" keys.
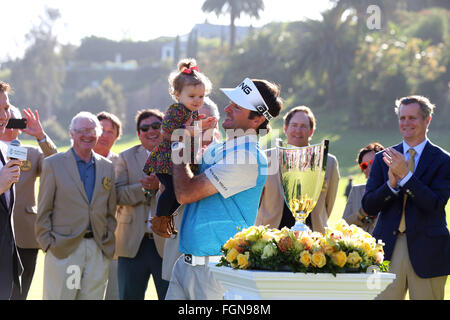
{"x": 10, "y": 265}
{"x": 412, "y": 219}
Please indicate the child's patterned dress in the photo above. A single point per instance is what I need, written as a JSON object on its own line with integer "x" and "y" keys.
{"x": 160, "y": 159}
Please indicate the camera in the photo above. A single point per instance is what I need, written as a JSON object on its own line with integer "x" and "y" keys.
{"x": 16, "y": 123}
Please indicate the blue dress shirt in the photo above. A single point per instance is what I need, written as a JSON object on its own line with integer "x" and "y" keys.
{"x": 87, "y": 174}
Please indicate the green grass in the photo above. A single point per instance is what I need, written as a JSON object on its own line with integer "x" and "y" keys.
{"x": 344, "y": 144}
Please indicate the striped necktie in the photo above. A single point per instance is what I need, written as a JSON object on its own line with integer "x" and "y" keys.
{"x": 411, "y": 166}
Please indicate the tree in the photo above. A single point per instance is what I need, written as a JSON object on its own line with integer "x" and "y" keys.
{"x": 360, "y": 8}
{"x": 234, "y": 8}
{"x": 390, "y": 66}
{"x": 417, "y": 5}
{"x": 107, "y": 96}
{"x": 326, "y": 51}
{"x": 38, "y": 78}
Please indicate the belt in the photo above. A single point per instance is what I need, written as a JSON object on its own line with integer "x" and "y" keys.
{"x": 148, "y": 235}
{"x": 200, "y": 260}
{"x": 89, "y": 235}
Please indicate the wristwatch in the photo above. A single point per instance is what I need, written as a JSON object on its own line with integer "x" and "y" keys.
{"x": 364, "y": 217}
{"x": 43, "y": 140}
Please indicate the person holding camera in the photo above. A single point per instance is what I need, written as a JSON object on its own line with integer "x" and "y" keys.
{"x": 25, "y": 211}
{"x": 10, "y": 265}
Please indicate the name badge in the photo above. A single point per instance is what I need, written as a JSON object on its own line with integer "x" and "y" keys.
{"x": 26, "y": 165}
{"x": 107, "y": 183}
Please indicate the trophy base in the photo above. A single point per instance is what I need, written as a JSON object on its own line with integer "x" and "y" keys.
{"x": 300, "y": 226}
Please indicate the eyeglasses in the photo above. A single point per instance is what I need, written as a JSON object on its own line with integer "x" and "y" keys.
{"x": 86, "y": 131}
{"x": 364, "y": 165}
{"x": 155, "y": 126}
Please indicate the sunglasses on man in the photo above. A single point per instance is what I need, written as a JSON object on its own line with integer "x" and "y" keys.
{"x": 155, "y": 126}
{"x": 364, "y": 165}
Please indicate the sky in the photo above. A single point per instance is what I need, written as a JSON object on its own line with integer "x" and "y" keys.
{"x": 138, "y": 20}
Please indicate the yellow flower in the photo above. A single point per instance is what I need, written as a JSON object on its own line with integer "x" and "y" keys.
{"x": 230, "y": 244}
{"x": 318, "y": 259}
{"x": 339, "y": 258}
{"x": 240, "y": 235}
{"x": 242, "y": 260}
{"x": 231, "y": 255}
{"x": 272, "y": 234}
{"x": 366, "y": 247}
{"x": 252, "y": 235}
{"x": 329, "y": 246}
{"x": 341, "y": 225}
{"x": 305, "y": 258}
{"x": 353, "y": 259}
{"x": 355, "y": 230}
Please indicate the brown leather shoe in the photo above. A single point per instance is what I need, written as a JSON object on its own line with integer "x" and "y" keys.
{"x": 163, "y": 226}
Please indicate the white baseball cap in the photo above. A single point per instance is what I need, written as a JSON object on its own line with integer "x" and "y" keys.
{"x": 247, "y": 96}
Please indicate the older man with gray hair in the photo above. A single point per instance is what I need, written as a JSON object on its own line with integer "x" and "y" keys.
{"x": 76, "y": 216}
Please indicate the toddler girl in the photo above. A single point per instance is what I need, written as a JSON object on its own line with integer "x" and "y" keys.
{"x": 188, "y": 88}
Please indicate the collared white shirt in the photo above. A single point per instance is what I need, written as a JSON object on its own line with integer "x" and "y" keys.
{"x": 4, "y": 150}
{"x": 419, "y": 149}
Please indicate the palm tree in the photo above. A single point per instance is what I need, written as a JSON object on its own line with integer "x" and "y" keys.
{"x": 326, "y": 50}
{"x": 234, "y": 8}
{"x": 360, "y": 8}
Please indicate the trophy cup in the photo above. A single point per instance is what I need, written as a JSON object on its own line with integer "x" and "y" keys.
{"x": 302, "y": 172}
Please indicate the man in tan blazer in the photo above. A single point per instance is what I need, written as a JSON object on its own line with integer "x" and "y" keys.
{"x": 111, "y": 132}
{"x": 25, "y": 210}
{"x": 299, "y": 126}
{"x": 76, "y": 216}
{"x": 139, "y": 250}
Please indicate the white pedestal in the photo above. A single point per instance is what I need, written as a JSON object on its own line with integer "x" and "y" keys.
{"x": 257, "y": 285}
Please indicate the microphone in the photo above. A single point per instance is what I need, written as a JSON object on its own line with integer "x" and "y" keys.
{"x": 16, "y": 152}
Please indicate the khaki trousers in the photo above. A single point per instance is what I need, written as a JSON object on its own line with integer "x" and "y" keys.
{"x": 407, "y": 279}
{"x": 193, "y": 283}
{"x": 81, "y": 276}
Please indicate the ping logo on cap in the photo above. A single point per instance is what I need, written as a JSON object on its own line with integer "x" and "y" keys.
{"x": 247, "y": 90}
{"x": 247, "y": 96}
{"x": 262, "y": 109}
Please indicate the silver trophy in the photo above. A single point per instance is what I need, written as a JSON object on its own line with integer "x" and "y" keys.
{"x": 302, "y": 172}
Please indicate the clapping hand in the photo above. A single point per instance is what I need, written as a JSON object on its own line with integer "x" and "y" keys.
{"x": 398, "y": 167}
